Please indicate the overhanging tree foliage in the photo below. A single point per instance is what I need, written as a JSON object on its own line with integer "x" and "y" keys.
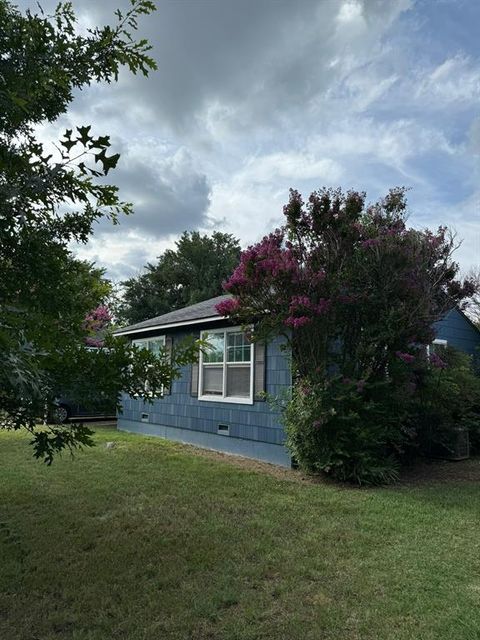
{"x": 49, "y": 198}
{"x": 192, "y": 272}
{"x": 356, "y": 292}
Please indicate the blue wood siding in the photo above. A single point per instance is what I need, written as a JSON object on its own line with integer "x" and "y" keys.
{"x": 179, "y": 410}
{"x": 459, "y": 332}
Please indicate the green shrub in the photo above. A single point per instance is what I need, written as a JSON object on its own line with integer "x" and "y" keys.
{"x": 363, "y": 432}
{"x": 448, "y": 399}
{"x": 351, "y": 430}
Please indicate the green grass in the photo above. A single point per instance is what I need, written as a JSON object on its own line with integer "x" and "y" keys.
{"x": 152, "y": 540}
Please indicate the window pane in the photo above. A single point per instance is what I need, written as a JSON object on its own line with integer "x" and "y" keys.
{"x": 438, "y": 348}
{"x": 212, "y": 381}
{"x": 238, "y": 381}
{"x": 156, "y": 345}
{"x": 238, "y": 349}
{"x": 215, "y": 352}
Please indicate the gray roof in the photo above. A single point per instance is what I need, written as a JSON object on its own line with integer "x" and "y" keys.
{"x": 191, "y": 314}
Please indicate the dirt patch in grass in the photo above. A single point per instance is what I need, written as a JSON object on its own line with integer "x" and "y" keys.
{"x": 424, "y": 472}
{"x": 427, "y": 472}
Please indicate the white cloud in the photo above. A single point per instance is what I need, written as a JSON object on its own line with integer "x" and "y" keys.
{"x": 457, "y": 79}
{"x": 288, "y": 168}
{"x": 350, "y": 11}
{"x": 124, "y": 253}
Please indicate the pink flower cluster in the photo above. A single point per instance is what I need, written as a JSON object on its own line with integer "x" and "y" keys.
{"x": 298, "y": 322}
{"x": 268, "y": 259}
{"x": 437, "y": 362}
{"x": 97, "y": 319}
{"x": 228, "y": 307}
{"x": 303, "y": 302}
{"x": 300, "y": 305}
{"x": 405, "y": 357}
{"x": 299, "y": 301}
{"x": 436, "y": 240}
{"x": 316, "y": 277}
{"x": 370, "y": 242}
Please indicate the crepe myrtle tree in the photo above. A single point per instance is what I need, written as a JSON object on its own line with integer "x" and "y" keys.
{"x": 355, "y": 291}
{"x": 51, "y": 195}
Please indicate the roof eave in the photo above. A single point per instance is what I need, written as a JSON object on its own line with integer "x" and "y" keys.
{"x": 172, "y": 325}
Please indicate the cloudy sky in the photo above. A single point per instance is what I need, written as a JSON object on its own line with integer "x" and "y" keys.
{"x": 255, "y": 96}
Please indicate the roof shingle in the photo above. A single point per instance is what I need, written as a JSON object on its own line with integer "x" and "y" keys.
{"x": 205, "y": 309}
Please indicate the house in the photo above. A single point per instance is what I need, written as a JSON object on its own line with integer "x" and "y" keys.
{"x": 219, "y": 403}
{"x": 458, "y": 331}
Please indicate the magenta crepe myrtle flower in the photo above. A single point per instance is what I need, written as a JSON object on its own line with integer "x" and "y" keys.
{"x": 296, "y": 323}
{"x": 317, "y": 277}
{"x": 266, "y": 261}
{"x": 300, "y": 301}
{"x": 370, "y": 242}
{"x": 228, "y": 307}
{"x": 322, "y": 306}
{"x": 436, "y": 361}
{"x": 405, "y": 357}
{"x": 97, "y": 319}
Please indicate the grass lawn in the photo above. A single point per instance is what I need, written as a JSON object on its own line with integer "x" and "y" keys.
{"x": 153, "y": 540}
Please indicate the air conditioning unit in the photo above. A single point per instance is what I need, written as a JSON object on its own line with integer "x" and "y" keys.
{"x": 455, "y": 447}
{"x": 461, "y": 444}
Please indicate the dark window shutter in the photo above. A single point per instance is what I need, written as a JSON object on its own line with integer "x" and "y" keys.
{"x": 194, "y": 380}
{"x": 259, "y": 371}
{"x": 194, "y": 373}
{"x": 167, "y": 390}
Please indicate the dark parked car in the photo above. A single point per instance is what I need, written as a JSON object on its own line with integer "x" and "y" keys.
{"x": 67, "y": 409}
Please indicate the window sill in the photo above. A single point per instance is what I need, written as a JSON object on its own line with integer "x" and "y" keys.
{"x": 226, "y": 400}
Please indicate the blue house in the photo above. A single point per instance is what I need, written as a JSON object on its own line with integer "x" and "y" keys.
{"x": 219, "y": 402}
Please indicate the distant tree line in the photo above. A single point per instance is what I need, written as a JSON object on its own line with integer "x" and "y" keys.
{"x": 191, "y": 272}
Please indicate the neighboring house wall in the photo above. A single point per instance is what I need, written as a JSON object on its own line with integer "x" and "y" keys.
{"x": 254, "y": 429}
{"x": 459, "y": 332}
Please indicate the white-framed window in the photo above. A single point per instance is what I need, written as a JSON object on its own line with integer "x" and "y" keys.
{"x": 226, "y": 369}
{"x": 152, "y": 344}
{"x": 438, "y": 347}
{"x": 156, "y": 346}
